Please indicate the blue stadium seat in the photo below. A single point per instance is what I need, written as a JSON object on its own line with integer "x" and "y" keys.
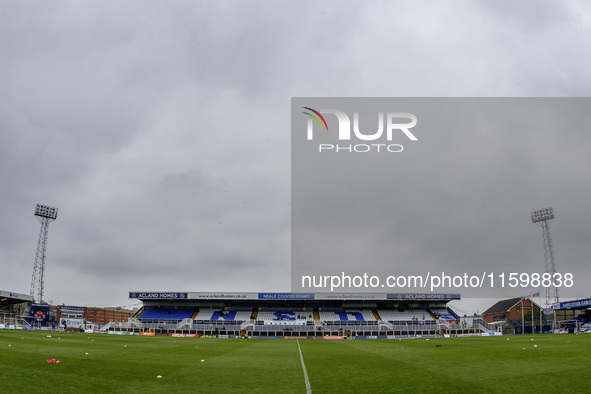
{"x": 230, "y": 315}
{"x": 166, "y": 314}
{"x": 350, "y": 316}
{"x": 285, "y": 316}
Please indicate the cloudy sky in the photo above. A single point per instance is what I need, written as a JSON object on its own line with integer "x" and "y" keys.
{"x": 456, "y": 201}
{"x": 161, "y": 130}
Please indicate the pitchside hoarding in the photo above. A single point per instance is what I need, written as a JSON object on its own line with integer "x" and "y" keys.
{"x": 157, "y": 295}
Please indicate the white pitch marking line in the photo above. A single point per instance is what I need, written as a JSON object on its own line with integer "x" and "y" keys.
{"x": 308, "y": 387}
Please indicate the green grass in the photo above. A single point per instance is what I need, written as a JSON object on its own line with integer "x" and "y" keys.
{"x": 482, "y": 364}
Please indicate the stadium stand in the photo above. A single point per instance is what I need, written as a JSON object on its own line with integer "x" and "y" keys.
{"x": 584, "y": 318}
{"x": 8, "y": 302}
{"x": 443, "y": 313}
{"x": 166, "y": 314}
{"x": 367, "y": 314}
{"x": 295, "y": 315}
{"x": 395, "y": 315}
{"x": 326, "y": 316}
{"x": 205, "y": 314}
{"x": 231, "y": 315}
{"x": 347, "y": 315}
{"x": 284, "y": 315}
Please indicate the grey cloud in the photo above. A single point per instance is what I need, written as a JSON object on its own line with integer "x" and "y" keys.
{"x": 134, "y": 119}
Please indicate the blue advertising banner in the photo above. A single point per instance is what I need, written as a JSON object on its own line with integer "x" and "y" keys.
{"x": 286, "y": 296}
{"x": 573, "y": 304}
{"x": 414, "y": 296}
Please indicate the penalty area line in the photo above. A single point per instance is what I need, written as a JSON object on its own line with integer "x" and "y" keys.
{"x": 308, "y": 387}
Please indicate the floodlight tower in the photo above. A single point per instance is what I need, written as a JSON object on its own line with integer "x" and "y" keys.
{"x": 542, "y": 217}
{"x": 45, "y": 214}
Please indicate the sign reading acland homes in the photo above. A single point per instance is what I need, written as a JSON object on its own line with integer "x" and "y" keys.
{"x": 157, "y": 295}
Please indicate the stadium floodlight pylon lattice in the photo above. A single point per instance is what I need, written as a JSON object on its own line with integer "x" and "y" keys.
{"x": 542, "y": 218}
{"x": 45, "y": 214}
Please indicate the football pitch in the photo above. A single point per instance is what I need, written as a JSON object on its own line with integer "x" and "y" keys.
{"x": 115, "y": 363}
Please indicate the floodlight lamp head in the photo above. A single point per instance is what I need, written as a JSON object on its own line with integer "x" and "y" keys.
{"x": 46, "y": 211}
{"x": 542, "y": 215}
